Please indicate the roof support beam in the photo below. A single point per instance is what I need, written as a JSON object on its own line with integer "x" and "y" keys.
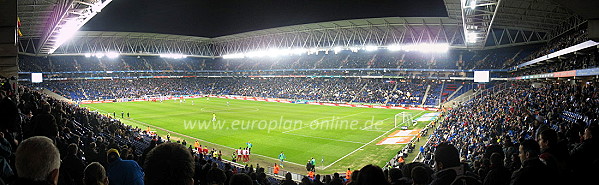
{"x": 477, "y": 20}
{"x": 68, "y": 16}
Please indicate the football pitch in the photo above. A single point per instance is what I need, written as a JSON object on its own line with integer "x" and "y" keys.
{"x": 337, "y": 137}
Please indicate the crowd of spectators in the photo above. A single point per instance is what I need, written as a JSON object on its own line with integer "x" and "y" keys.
{"x": 356, "y": 90}
{"x": 47, "y": 141}
{"x": 522, "y": 134}
{"x": 534, "y": 133}
{"x": 571, "y": 38}
{"x": 518, "y": 135}
{"x": 490, "y": 59}
{"x": 123, "y": 63}
{"x": 113, "y": 89}
{"x": 581, "y": 60}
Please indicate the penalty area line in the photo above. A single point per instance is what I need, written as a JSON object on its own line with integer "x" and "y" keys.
{"x": 384, "y": 134}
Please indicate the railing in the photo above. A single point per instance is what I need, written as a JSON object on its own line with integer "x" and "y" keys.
{"x": 481, "y": 93}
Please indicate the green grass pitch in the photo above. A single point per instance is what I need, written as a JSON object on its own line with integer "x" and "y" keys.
{"x": 301, "y": 131}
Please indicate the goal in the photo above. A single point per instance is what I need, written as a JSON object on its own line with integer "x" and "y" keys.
{"x": 403, "y": 119}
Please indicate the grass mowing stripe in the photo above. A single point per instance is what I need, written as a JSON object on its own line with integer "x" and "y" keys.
{"x": 332, "y": 144}
{"x": 203, "y": 140}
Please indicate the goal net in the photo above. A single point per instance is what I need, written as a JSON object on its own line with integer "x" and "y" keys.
{"x": 403, "y": 119}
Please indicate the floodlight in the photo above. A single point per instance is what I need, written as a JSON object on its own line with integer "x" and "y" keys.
{"x": 425, "y": 48}
{"x": 371, "y": 48}
{"x": 313, "y": 51}
{"x": 65, "y": 26}
{"x": 99, "y": 55}
{"x": 394, "y": 48}
{"x": 173, "y": 56}
{"x": 231, "y": 56}
{"x": 97, "y": 8}
{"x": 277, "y": 52}
{"x": 472, "y": 4}
{"x": 256, "y": 54}
{"x": 337, "y": 49}
{"x": 435, "y": 48}
{"x": 298, "y": 51}
{"x": 87, "y": 55}
{"x": 471, "y": 37}
{"x": 112, "y": 55}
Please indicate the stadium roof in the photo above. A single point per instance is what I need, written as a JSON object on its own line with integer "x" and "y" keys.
{"x": 361, "y": 32}
{"x": 504, "y": 23}
{"x": 345, "y": 24}
{"x": 215, "y": 18}
{"x": 33, "y": 15}
{"x": 531, "y": 15}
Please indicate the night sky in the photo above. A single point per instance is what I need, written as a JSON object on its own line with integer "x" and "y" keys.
{"x": 213, "y": 18}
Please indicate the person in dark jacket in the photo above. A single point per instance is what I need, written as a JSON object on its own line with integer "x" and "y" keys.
{"x": 371, "y": 174}
{"x": 498, "y": 173}
{"x": 553, "y": 154}
{"x": 394, "y": 176}
{"x": 123, "y": 172}
{"x": 91, "y": 153}
{"x": 585, "y": 156}
{"x": 336, "y": 180}
{"x": 73, "y": 164}
{"x": 288, "y": 180}
{"x": 169, "y": 163}
{"x": 448, "y": 166}
{"x": 420, "y": 175}
{"x": 44, "y": 123}
{"x": 240, "y": 179}
{"x": 533, "y": 171}
{"x": 446, "y": 159}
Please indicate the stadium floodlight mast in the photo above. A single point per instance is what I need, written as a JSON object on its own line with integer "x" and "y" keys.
{"x": 274, "y": 52}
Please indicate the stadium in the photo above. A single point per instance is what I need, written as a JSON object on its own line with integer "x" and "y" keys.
{"x": 299, "y": 92}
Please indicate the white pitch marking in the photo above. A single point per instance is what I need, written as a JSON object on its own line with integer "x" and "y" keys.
{"x": 289, "y": 162}
{"x": 364, "y": 145}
